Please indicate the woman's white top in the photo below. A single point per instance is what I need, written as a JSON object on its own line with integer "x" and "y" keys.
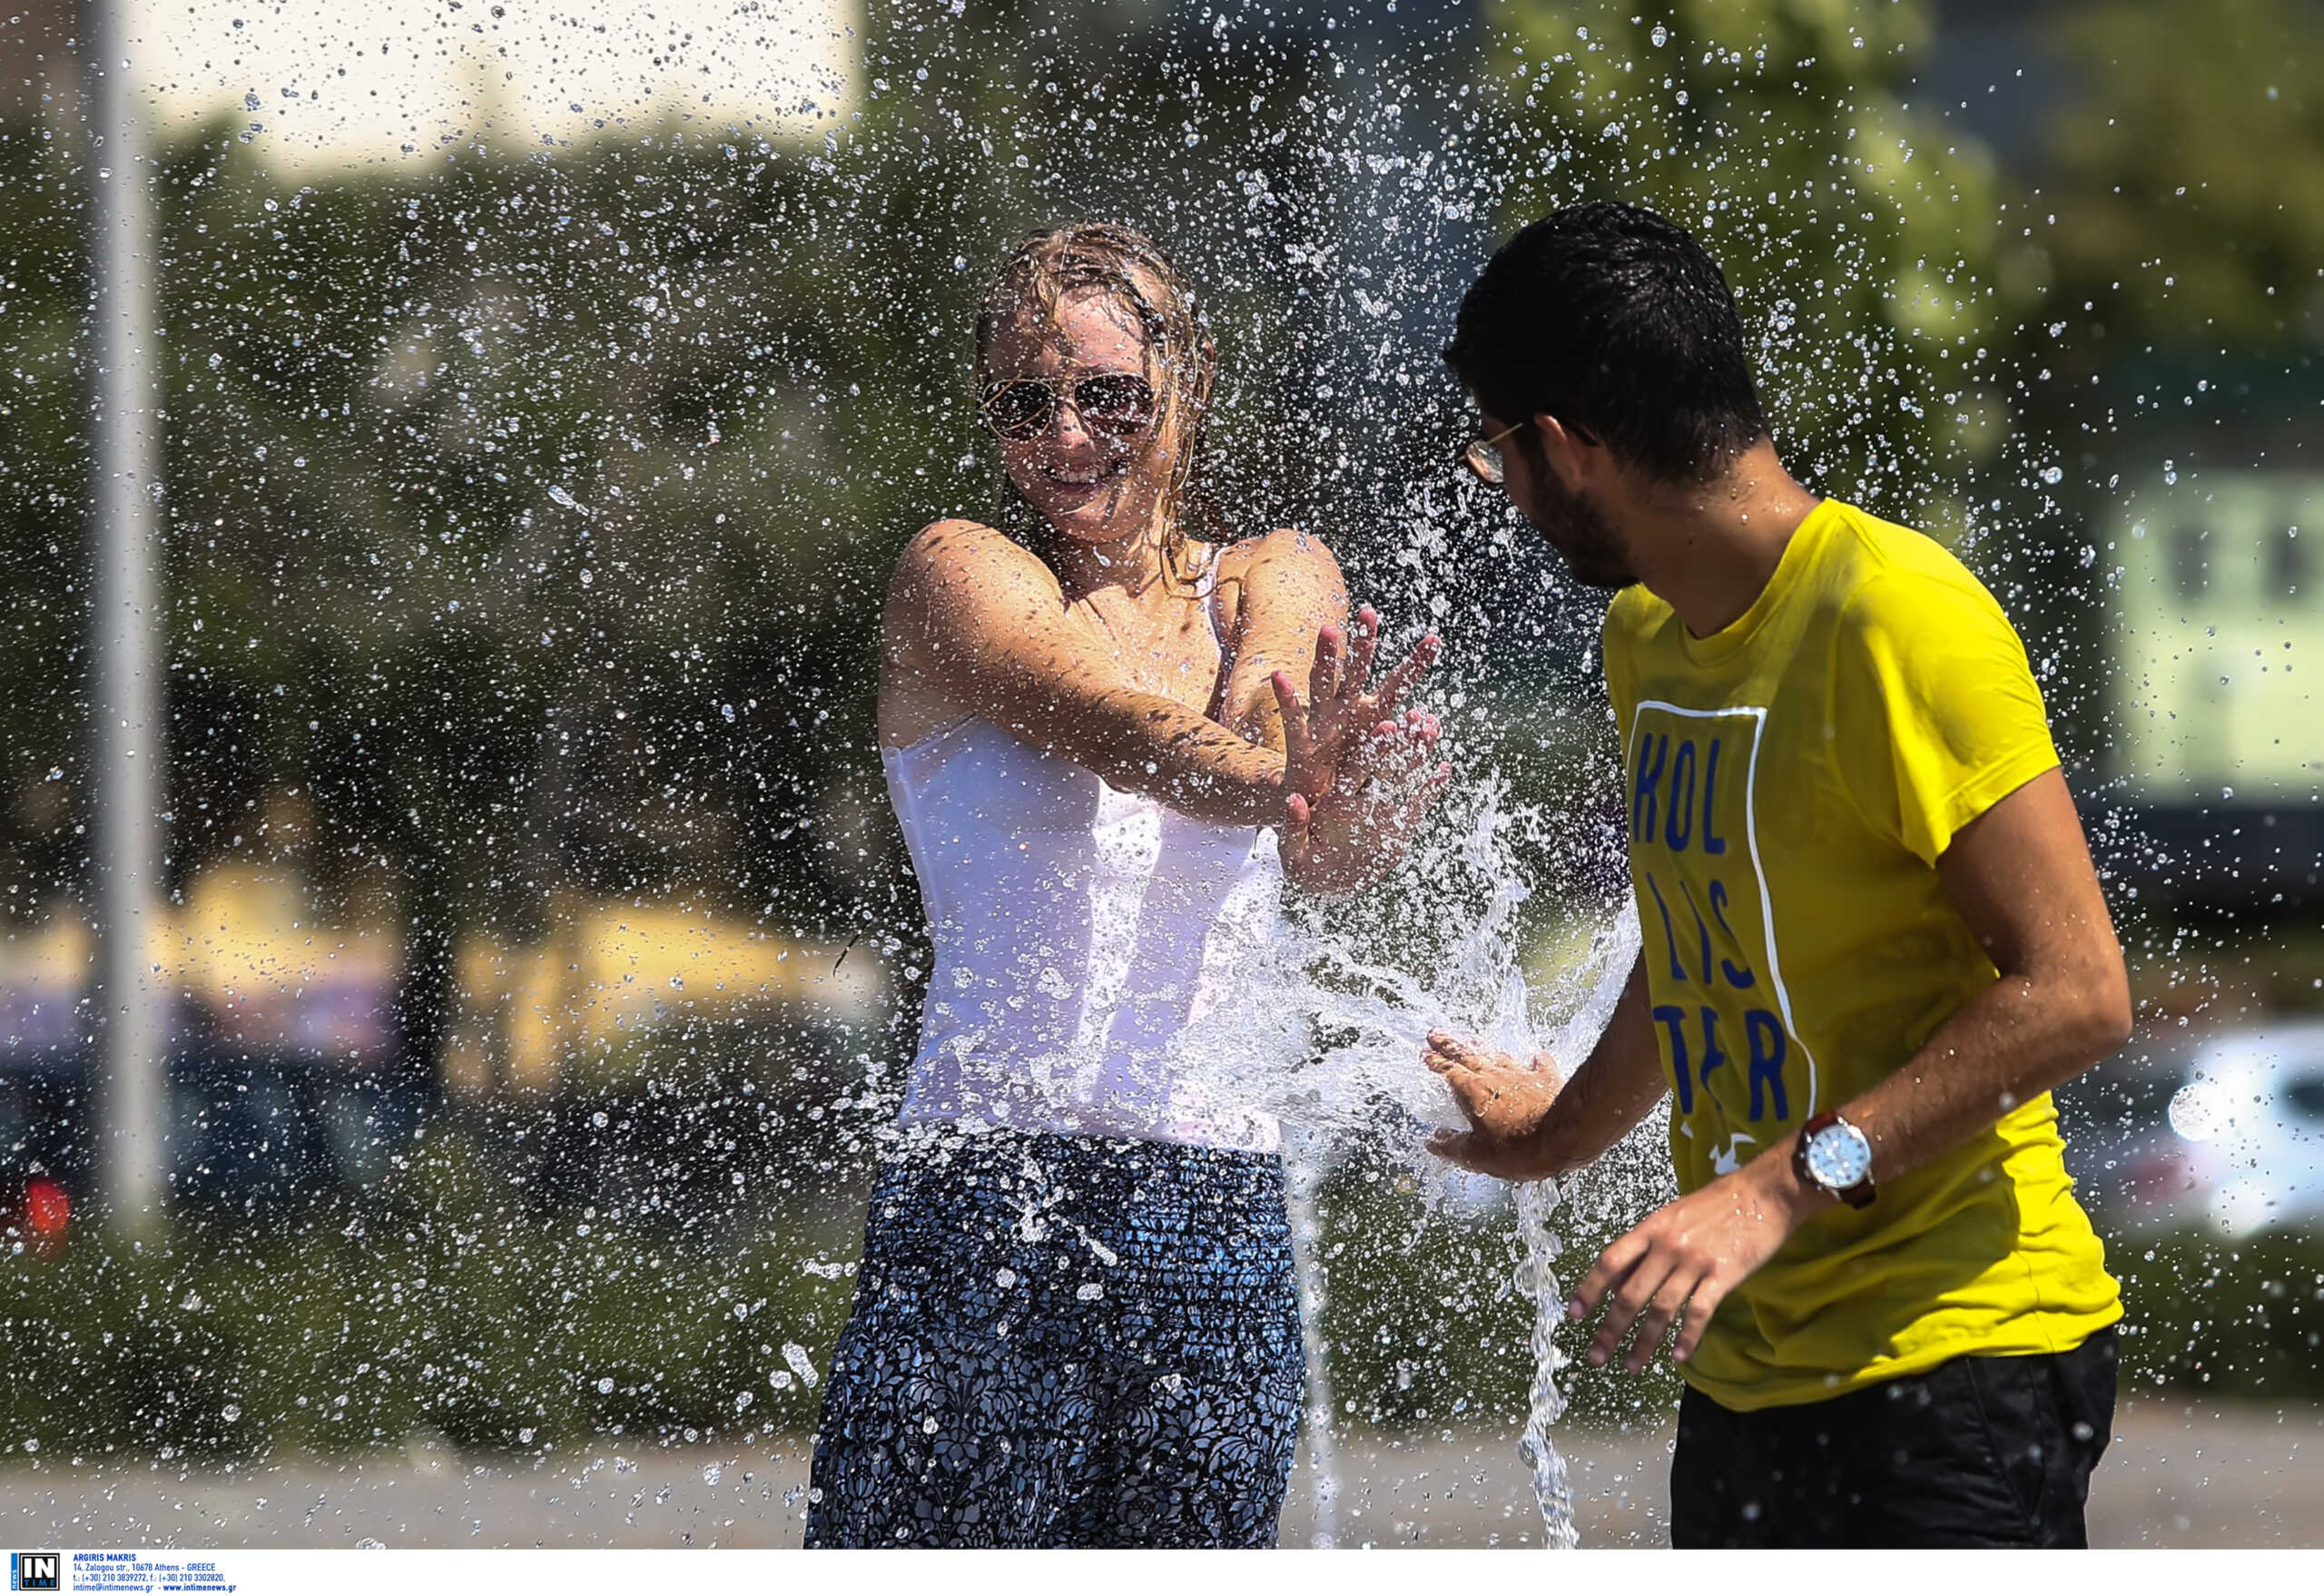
{"x": 1079, "y": 931}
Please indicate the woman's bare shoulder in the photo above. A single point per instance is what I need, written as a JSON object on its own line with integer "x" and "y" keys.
{"x": 956, "y": 550}
{"x": 952, "y": 538}
{"x": 1287, "y": 575}
{"x": 948, "y": 578}
{"x": 1285, "y": 549}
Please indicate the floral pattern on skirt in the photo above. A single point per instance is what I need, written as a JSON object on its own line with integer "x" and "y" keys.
{"x": 1064, "y": 1341}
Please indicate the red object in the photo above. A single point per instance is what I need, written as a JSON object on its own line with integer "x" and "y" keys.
{"x": 2160, "y": 1177}
{"x": 47, "y": 1209}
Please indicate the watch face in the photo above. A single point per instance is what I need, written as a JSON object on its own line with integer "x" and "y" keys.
{"x": 1839, "y": 1156}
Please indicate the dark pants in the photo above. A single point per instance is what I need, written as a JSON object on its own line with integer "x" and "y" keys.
{"x": 1064, "y": 1341}
{"x": 1977, "y": 1451}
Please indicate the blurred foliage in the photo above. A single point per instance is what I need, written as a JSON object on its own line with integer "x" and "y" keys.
{"x": 1426, "y": 1333}
{"x": 2234, "y": 1318}
{"x": 2187, "y": 176}
{"x": 538, "y": 564}
{"x": 447, "y": 1300}
{"x": 1862, "y": 238}
{"x": 450, "y": 1304}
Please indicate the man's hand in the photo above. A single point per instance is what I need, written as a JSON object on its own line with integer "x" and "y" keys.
{"x": 1526, "y": 1122}
{"x": 1686, "y": 1256}
{"x": 1505, "y": 1103}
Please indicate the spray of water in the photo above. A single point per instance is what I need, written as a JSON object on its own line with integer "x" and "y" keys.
{"x": 1255, "y": 1050}
{"x": 1605, "y": 973}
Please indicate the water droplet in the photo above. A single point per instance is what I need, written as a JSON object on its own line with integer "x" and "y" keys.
{"x": 801, "y": 1365}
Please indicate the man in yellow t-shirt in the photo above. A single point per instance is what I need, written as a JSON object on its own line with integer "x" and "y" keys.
{"x": 1873, "y": 942}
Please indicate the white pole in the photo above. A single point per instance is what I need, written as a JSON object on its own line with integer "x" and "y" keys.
{"x": 126, "y": 454}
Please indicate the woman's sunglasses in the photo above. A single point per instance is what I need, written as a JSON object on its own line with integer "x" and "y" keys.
{"x": 1115, "y": 403}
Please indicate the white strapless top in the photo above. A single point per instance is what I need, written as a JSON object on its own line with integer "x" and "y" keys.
{"x": 1079, "y": 930}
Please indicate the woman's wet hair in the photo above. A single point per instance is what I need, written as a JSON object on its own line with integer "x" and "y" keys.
{"x": 1053, "y": 264}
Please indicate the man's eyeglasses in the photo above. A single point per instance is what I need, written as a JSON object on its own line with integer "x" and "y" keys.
{"x": 1482, "y": 456}
{"x": 1116, "y": 404}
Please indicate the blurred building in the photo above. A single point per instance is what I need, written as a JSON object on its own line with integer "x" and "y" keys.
{"x": 2224, "y": 624}
{"x": 2219, "y": 723}
{"x": 289, "y": 1067}
{"x": 579, "y": 1009}
{"x": 315, "y": 87}
{"x": 284, "y": 1059}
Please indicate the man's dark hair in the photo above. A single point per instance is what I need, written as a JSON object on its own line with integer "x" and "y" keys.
{"x": 1616, "y": 321}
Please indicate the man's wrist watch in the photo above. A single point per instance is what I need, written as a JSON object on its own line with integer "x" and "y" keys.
{"x": 1835, "y": 1156}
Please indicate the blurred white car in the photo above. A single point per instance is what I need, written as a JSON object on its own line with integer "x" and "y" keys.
{"x": 2245, "y": 1146}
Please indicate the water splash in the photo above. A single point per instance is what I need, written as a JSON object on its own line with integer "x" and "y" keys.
{"x": 1255, "y": 1050}
{"x": 1328, "y": 1020}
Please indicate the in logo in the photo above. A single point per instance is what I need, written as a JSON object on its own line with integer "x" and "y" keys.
{"x": 35, "y": 1570}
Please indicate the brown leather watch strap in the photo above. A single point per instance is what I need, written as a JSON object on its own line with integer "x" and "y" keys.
{"x": 1858, "y": 1196}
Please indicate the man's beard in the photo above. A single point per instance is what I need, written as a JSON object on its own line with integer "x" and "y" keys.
{"x": 1579, "y": 531}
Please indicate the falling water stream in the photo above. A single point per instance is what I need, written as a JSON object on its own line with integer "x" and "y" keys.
{"x": 1537, "y": 1276}
{"x": 1256, "y": 1049}
{"x": 1323, "y": 1449}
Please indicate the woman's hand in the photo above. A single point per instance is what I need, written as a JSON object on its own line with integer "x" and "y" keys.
{"x": 1386, "y": 785}
{"x": 1506, "y": 1102}
{"x": 1341, "y": 703}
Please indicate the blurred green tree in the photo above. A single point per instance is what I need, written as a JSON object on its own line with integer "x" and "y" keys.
{"x": 1863, "y": 236}
{"x": 524, "y": 518}
{"x": 2186, "y": 171}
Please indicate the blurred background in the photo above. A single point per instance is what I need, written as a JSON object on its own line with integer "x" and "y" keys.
{"x": 454, "y": 951}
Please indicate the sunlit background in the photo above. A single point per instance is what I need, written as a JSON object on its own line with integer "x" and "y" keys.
{"x": 542, "y": 391}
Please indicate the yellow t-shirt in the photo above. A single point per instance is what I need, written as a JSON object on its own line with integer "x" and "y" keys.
{"x": 1791, "y": 784}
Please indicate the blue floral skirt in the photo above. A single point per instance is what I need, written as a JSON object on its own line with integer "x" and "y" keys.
{"x": 1064, "y": 1341}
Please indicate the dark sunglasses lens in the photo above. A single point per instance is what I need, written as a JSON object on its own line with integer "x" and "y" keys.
{"x": 1019, "y": 410}
{"x": 1115, "y": 404}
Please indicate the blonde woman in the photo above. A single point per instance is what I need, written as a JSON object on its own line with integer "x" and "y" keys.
{"x": 1075, "y": 1322}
